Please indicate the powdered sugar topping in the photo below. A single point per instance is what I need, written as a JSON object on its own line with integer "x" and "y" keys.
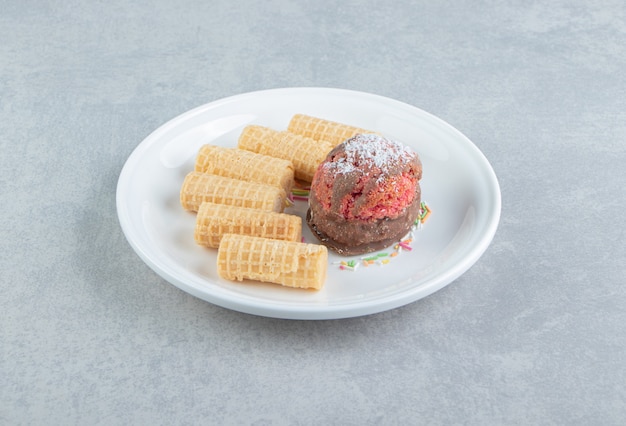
{"x": 370, "y": 150}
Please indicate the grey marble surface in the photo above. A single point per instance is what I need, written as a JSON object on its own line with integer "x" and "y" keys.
{"x": 533, "y": 333}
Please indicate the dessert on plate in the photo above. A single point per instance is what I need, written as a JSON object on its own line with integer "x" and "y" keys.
{"x": 365, "y": 195}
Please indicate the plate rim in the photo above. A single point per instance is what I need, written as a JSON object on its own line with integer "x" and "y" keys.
{"x": 278, "y": 309}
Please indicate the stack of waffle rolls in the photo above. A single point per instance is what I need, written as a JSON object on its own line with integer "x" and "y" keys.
{"x": 305, "y": 153}
{"x": 245, "y": 165}
{"x": 320, "y": 129}
{"x": 288, "y": 263}
{"x": 204, "y": 187}
{"x": 240, "y": 194}
{"x": 215, "y": 220}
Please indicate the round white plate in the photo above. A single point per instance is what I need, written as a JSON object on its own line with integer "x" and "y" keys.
{"x": 458, "y": 184}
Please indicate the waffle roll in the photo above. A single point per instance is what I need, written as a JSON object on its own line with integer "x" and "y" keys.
{"x": 321, "y": 129}
{"x": 305, "y": 153}
{"x": 215, "y": 220}
{"x": 204, "y": 187}
{"x": 291, "y": 264}
{"x": 245, "y": 165}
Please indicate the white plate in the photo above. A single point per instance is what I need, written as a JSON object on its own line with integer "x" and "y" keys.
{"x": 458, "y": 184}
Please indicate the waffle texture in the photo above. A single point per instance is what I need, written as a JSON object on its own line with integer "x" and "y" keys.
{"x": 215, "y": 220}
{"x": 291, "y": 264}
{"x": 321, "y": 129}
{"x": 204, "y": 187}
{"x": 245, "y": 165}
{"x": 305, "y": 153}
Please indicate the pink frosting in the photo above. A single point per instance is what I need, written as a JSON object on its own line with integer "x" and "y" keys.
{"x": 368, "y": 177}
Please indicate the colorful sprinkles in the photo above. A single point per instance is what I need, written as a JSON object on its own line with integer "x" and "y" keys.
{"x": 424, "y": 214}
{"x": 300, "y": 193}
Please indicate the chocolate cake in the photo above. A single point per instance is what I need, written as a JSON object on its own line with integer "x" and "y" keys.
{"x": 365, "y": 195}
